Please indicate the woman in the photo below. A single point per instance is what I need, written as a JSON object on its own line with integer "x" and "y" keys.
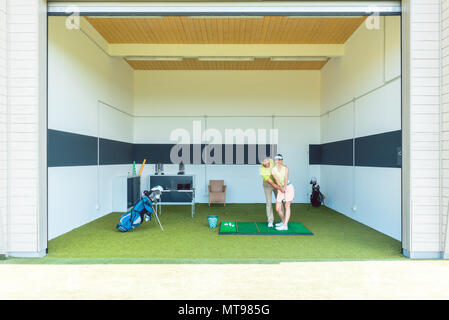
{"x": 280, "y": 173}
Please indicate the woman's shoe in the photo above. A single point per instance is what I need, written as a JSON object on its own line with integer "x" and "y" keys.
{"x": 282, "y": 228}
{"x": 280, "y": 224}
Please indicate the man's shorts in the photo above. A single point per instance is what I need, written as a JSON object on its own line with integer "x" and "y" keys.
{"x": 288, "y": 195}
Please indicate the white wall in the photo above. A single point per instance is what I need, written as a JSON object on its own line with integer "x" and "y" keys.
{"x": 227, "y": 93}
{"x": 90, "y": 94}
{"x": 167, "y": 100}
{"x": 371, "y": 70}
{"x": 81, "y": 74}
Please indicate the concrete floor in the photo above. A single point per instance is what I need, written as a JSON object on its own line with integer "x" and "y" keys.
{"x": 304, "y": 280}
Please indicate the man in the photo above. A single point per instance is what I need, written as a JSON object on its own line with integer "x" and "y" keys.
{"x": 269, "y": 187}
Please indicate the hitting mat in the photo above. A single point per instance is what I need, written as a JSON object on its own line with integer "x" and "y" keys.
{"x": 261, "y": 228}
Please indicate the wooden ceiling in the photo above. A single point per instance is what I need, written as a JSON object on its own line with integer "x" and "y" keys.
{"x": 264, "y": 30}
{"x": 268, "y": 30}
{"x": 195, "y": 64}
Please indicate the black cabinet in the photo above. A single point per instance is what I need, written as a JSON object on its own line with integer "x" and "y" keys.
{"x": 133, "y": 190}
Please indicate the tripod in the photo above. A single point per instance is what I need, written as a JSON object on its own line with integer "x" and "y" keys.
{"x": 157, "y": 211}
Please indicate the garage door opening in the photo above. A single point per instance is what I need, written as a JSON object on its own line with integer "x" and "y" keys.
{"x": 323, "y": 90}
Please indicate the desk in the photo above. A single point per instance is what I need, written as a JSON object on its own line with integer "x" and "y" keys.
{"x": 172, "y": 195}
{"x": 191, "y": 193}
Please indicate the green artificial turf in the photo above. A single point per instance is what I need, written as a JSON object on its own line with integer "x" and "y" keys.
{"x": 261, "y": 228}
{"x": 189, "y": 240}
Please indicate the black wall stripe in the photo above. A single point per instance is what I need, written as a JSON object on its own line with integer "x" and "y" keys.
{"x": 315, "y": 154}
{"x": 338, "y": 153}
{"x": 70, "y": 149}
{"x": 379, "y": 150}
{"x": 154, "y": 153}
{"x": 115, "y": 152}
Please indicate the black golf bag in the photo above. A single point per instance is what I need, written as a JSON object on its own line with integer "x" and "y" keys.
{"x": 316, "y": 198}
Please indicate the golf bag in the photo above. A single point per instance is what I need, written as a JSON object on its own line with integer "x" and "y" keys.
{"x": 316, "y": 198}
{"x": 142, "y": 211}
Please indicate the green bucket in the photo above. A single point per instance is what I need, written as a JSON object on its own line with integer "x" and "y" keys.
{"x": 213, "y": 221}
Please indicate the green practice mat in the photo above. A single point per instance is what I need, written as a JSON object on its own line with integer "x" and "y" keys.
{"x": 261, "y": 228}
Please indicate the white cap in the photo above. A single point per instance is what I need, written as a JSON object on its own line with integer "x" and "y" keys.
{"x": 279, "y": 157}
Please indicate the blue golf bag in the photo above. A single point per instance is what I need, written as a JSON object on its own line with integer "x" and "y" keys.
{"x": 142, "y": 211}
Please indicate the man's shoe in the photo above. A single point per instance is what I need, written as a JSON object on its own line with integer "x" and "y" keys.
{"x": 270, "y": 224}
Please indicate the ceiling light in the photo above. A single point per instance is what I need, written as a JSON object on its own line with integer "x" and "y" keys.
{"x": 325, "y": 17}
{"x": 124, "y": 17}
{"x": 226, "y": 59}
{"x": 225, "y": 17}
{"x": 154, "y": 58}
{"x": 299, "y": 58}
